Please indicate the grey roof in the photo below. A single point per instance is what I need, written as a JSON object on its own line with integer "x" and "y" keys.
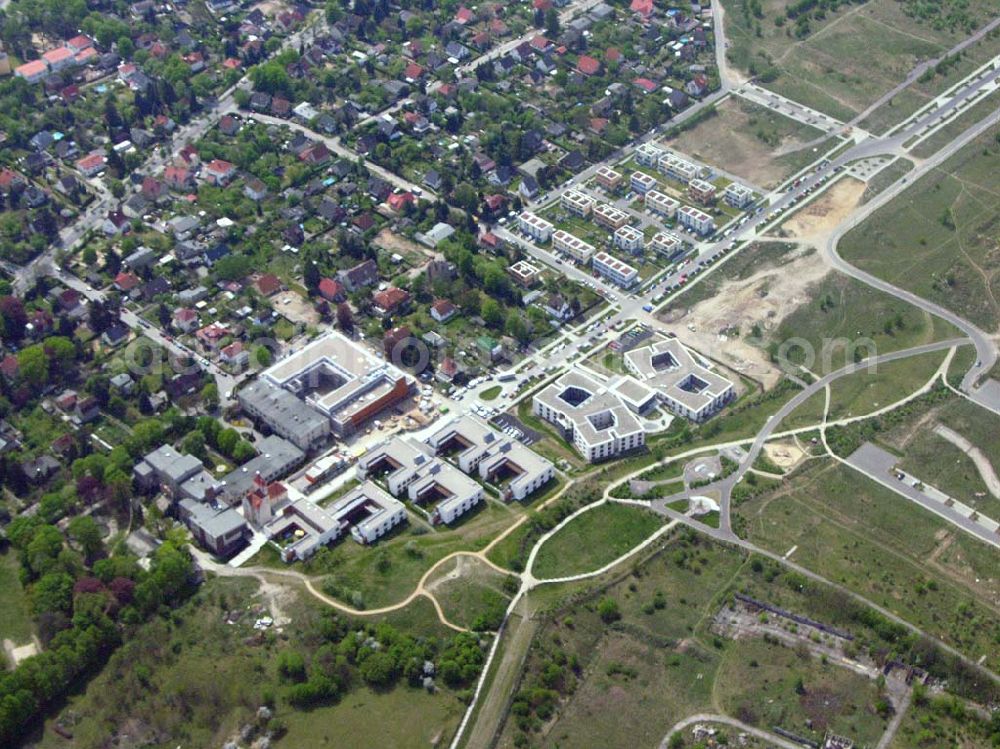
{"x": 277, "y": 457}
{"x": 173, "y": 465}
{"x": 213, "y": 521}
{"x": 280, "y": 408}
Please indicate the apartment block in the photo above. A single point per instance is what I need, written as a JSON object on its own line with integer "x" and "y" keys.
{"x": 573, "y": 246}
{"x": 615, "y": 270}
{"x": 695, "y": 220}
{"x": 609, "y": 216}
{"x": 737, "y": 195}
{"x": 662, "y": 204}
{"x": 578, "y": 203}
{"x": 608, "y": 178}
{"x": 701, "y": 191}
{"x": 677, "y": 168}
{"x": 666, "y": 243}
{"x": 535, "y": 227}
{"x": 642, "y": 182}
{"x": 648, "y": 154}
{"x": 629, "y": 239}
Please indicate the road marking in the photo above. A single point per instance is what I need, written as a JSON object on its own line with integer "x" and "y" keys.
{"x": 790, "y": 551}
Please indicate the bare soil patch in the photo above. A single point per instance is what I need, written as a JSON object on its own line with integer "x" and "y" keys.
{"x": 821, "y": 216}
{"x": 295, "y": 309}
{"x": 784, "y": 454}
{"x": 721, "y": 326}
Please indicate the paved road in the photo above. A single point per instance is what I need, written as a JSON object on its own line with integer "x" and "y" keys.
{"x": 771, "y": 738}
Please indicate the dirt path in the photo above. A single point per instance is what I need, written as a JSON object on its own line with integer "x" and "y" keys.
{"x": 983, "y": 464}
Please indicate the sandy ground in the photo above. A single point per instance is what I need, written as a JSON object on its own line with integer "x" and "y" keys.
{"x": 765, "y": 298}
{"x": 784, "y": 454}
{"x": 276, "y": 597}
{"x": 295, "y": 309}
{"x": 270, "y": 8}
{"x": 822, "y": 215}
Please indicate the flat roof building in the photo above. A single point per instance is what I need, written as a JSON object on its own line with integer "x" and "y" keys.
{"x": 615, "y": 270}
{"x": 525, "y": 273}
{"x": 629, "y": 239}
{"x": 648, "y": 154}
{"x": 662, "y": 204}
{"x": 682, "y": 381}
{"x": 577, "y": 203}
{"x": 573, "y": 246}
{"x": 497, "y": 459}
{"x": 702, "y": 191}
{"x": 610, "y": 216}
{"x": 409, "y": 468}
{"x": 592, "y": 415}
{"x": 219, "y": 529}
{"x": 697, "y": 221}
{"x": 608, "y": 178}
{"x": 666, "y": 243}
{"x": 285, "y": 414}
{"x": 340, "y": 380}
{"x": 678, "y": 168}
{"x": 642, "y": 182}
{"x": 535, "y": 227}
{"x": 276, "y": 458}
{"x": 737, "y": 195}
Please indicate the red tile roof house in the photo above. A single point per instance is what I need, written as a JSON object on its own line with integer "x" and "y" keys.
{"x": 91, "y": 164}
{"x": 33, "y": 71}
{"x": 645, "y": 84}
{"x": 413, "y": 72}
{"x": 235, "y": 356}
{"x": 185, "y": 319}
{"x": 495, "y": 202}
{"x": 178, "y": 178}
{"x": 317, "y": 153}
{"x": 9, "y": 367}
{"x": 79, "y": 43}
{"x": 390, "y": 301}
{"x": 642, "y": 7}
{"x": 464, "y": 16}
{"x": 332, "y": 290}
{"x": 59, "y": 58}
{"x": 125, "y": 282}
{"x": 219, "y": 173}
{"x": 267, "y": 284}
{"x": 210, "y": 335}
{"x": 442, "y": 310}
{"x": 541, "y": 44}
{"x": 398, "y": 201}
{"x": 588, "y": 65}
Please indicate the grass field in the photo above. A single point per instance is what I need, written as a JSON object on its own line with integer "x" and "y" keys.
{"x": 593, "y": 539}
{"x": 742, "y": 137}
{"x": 15, "y": 621}
{"x": 848, "y": 529}
{"x": 843, "y": 61}
{"x": 844, "y": 316}
{"x": 864, "y": 392}
{"x": 886, "y": 178}
{"x": 470, "y": 592}
{"x": 490, "y": 394}
{"x": 758, "y": 679}
{"x": 940, "y": 723}
{"x": 938, "y": 238}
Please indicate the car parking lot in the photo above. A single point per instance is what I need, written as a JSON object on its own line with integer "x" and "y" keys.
{"x": 513, "y": 427}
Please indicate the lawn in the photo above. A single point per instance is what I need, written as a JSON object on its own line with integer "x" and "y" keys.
{"x": 15, "y": 620}
{"x": 886, "y": 178}
{"x": 471, "y": 593}
{"x": 940, "y": 723}
{"x": 848, "y": 529}
{"x": 757, "y": 681}
{"x": 938, "y": 238}
{"x": 490, "y": 394}
{"x": 594, "y": 539}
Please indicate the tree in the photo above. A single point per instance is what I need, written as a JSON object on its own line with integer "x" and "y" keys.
{"x": 14, "y": 318}
{"x": 33, "y": 366}
{"x": 87, "y": 535}
{"x": 210, "y": 395}
{"x": 608, "y": 610}
{"x": 311, "y": 275}
{"x": 345, "y": 318}
{"x": 552, "y": 22}
{"x": 492, "y": 313}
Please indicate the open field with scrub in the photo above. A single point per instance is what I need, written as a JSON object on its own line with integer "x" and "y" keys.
{"x": 841, "y": 61}
{"x": 849, "y": 529}
{"x": 938, "y": 239}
